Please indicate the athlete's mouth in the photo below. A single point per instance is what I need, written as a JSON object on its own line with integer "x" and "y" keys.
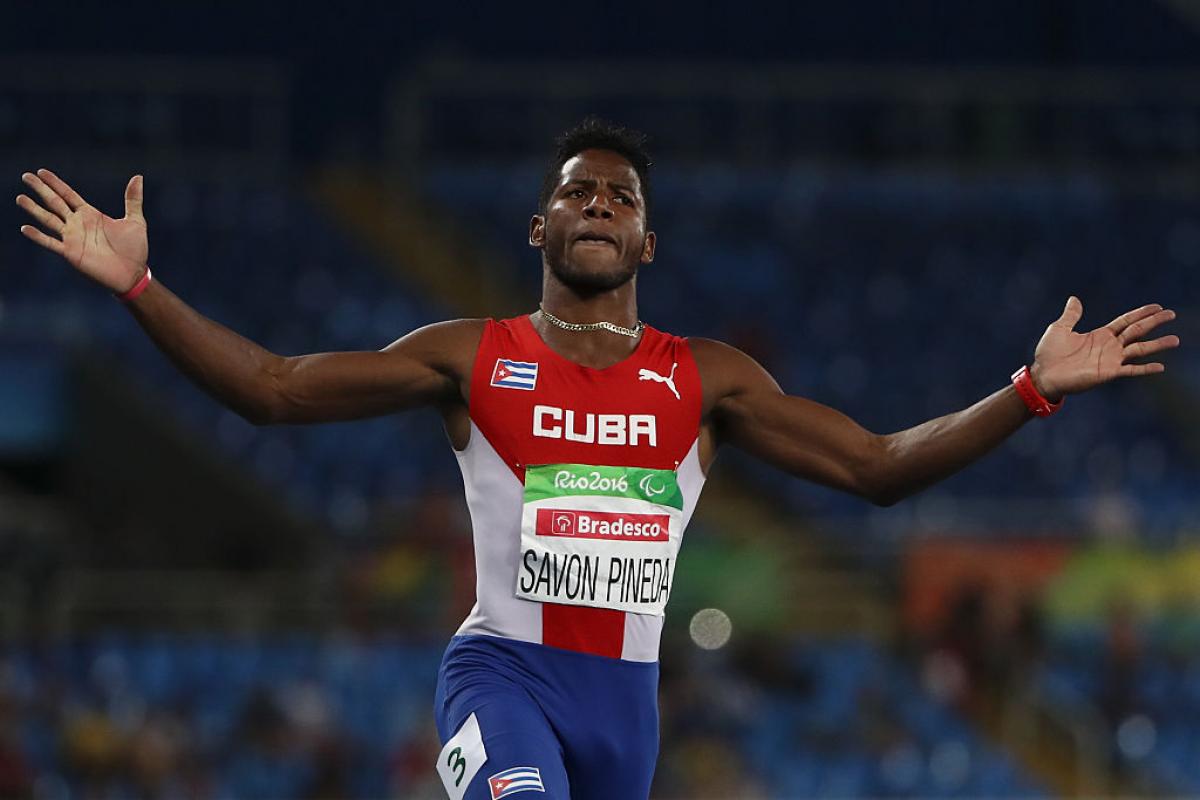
{"x": 593, "y": 238}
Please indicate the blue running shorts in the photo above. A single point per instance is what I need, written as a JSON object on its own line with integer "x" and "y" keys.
{"x": 541, "y": 723}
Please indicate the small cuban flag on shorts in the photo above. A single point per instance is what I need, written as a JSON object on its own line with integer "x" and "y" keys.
{"x": 517, "y": 779}
{"x": 515, "y": 374}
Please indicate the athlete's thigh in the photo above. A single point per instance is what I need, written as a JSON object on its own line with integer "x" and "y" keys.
{"x": 628, "y": 778}
{"x": 497, "y": 743}
{"x": 605, "y": 711}
{"x": 611, "y": 751}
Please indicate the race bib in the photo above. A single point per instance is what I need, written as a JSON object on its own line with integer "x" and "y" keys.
{"x": 461, "y": 758}
{"x": 600, "y": 536}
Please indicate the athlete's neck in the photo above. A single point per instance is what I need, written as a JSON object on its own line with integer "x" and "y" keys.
{"x": 597, "y": 349}
{"x": 618, "y": 306}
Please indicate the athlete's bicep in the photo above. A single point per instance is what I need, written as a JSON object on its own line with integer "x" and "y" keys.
{"x": 430, "y": 366}
{"x": 805, "y": 438}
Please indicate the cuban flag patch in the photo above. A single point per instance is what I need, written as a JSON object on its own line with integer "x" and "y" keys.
{"x": 517, "y": 779}
{"x": 515, "y": 374}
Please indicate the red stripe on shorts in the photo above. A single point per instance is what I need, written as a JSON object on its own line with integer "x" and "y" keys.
{"x": 599, "y": 631}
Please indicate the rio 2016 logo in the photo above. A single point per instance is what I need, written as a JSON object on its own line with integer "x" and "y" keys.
{"x": 594, "y": 481}
{"x": 648, "y": 488}
{"x": 651, "y": 484}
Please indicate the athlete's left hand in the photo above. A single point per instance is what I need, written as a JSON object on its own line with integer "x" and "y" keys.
{"x": 1066, "y": 362}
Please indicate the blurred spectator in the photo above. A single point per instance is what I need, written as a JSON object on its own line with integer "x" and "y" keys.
{"x": 1122, "y": 662}
{"x": 16, "y": 775}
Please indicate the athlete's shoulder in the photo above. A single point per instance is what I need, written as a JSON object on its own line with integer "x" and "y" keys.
{"x": 450, "y": 343}
{"x": 508, "y": 322}
{"x": 725, "y": 370}
{"x": 665, "y": 336}
{"x": 715, "y": 353}
{"x": 450, "y": 332}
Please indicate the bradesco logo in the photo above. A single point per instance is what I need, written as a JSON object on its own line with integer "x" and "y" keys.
{"x": 615, "y": 526}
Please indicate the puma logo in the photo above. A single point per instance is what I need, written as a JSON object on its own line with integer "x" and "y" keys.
{"x": 651, "y": 375}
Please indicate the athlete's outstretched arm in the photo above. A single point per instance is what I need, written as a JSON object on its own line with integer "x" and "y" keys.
{"x": 747, "y": 408}
{"x": 424, "y": 368}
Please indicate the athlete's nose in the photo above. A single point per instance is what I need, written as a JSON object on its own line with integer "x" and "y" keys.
{"x": 598, "y": 207}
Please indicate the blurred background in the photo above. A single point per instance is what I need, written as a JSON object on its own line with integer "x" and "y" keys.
{"x": 885, "y": 203}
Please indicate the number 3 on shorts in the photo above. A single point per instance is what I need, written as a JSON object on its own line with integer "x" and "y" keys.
{"x": 461, "y": 758}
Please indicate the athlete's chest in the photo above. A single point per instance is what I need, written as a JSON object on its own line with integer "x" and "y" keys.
{"x": 540, "y": 408}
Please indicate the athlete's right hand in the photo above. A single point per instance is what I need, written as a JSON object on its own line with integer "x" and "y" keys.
{"x": 112, "y": 252}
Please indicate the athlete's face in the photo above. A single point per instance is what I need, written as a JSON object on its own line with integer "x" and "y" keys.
{"x": 594, "y": 235}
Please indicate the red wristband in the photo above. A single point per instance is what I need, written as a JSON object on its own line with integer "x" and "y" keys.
{"x": 137, "y": 288}
{"x": 1034, "y": 401}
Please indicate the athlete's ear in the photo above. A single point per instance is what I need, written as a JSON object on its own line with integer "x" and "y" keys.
{"x": 537, "y": 231}
{"x": 648, "y": 247}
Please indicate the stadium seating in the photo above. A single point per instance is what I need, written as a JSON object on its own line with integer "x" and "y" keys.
{"x": 1150, "y": 703}
{"x": 867, "y": 729}
{"x": 256, "y": 716}
{"x": 260, "y": 260}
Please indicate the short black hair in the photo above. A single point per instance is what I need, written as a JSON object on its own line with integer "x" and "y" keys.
{"x": 595, "y": 133}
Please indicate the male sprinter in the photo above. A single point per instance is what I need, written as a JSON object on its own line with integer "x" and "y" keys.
{"x": 584, "y": 437}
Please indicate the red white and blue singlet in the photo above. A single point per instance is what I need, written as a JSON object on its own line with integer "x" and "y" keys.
{"x": 579, "y": 482}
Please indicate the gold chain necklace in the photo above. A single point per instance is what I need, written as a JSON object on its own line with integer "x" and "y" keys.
{"x": 632, "y": 333}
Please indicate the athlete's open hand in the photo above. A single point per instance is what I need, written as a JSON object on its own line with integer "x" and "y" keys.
{"x": 1066, "y": 362}
{"x": 112, "y": 252}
